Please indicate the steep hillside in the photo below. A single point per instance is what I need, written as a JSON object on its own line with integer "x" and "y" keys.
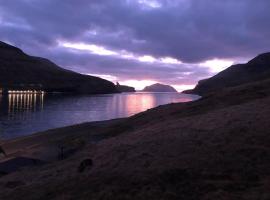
{"x": 256, "y": 69}
{"x": 21, "y": 71}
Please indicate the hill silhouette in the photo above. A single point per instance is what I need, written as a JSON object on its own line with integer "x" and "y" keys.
{"x": 124, "y": 88}
{"x": 157, "y": 87}
{"x": 255, "y": 70}
{"x": 19, "y": 71}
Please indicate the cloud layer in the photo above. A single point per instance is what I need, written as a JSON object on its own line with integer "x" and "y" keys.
{"x": 165, "y": 41}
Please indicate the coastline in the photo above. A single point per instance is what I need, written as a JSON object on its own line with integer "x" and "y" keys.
{"x": 55, "y": 111}
{"x": 212, "y": 148}
{"x": 37, "y": 144}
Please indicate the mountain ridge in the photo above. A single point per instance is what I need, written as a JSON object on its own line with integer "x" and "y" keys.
{"x": 19, "y": 71}
{"x": 256, "y": 69}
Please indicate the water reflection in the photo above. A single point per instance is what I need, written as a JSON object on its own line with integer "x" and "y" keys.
{"x": 25, "y": 113}
{"x": 136, "y": 103}
{"x": 17, "y": 105}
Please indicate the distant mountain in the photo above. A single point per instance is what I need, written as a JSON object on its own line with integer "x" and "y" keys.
{"x": 255, "y": 70}
{"x": 20, "y": 71}
{"x": 159, "y": 88}
{"x": 124, "y": 88}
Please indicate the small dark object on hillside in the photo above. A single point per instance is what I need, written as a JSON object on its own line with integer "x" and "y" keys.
{"x": 61, "y": 153}
{"x": 85, "y": 164}
{"x": 66, "y": 151}
{"x": 2, "y": 151}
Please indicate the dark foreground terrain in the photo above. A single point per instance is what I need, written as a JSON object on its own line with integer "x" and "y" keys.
{"x": 217, "y": 147}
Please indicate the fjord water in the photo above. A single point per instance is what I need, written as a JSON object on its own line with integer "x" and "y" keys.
{"x": 23, "y": 114}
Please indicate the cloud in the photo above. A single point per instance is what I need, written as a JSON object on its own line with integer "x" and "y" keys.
{"x": 168, "y": 41}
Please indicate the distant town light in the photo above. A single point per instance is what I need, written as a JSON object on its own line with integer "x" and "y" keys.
{"x": 26, "y": 92}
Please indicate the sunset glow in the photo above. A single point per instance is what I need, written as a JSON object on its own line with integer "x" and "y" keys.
{"x": 217, "y": 65}
{"x": 99, "y": 50}
{"x": 213, "y": 66}
{"x": 145, "y": 37}
{"x": 138, "y": 84}
{"x": 180, "y": 88}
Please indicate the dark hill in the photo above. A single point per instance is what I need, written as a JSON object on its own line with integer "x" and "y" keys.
{"x": 22, "y": 72}
{"x": 255, "y": 70}
{"x": 159, "y": 88}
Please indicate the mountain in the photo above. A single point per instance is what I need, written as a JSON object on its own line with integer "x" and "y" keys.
{"x": 124, "y": 88}
{"x": 255, "y": 70}
{"x": 159, "y": 88}
{"x": 19, "y": 71}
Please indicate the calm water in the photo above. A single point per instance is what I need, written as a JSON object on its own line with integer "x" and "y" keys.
{"x": 23, "y": 114}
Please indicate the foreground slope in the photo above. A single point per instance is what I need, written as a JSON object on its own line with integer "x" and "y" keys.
{"x": 256, "y": 69}
{"x": 20, "y": 71}
{"x": 217, "y": 147}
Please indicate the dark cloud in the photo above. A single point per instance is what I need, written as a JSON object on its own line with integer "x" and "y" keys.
{"x": 190, "y": 30}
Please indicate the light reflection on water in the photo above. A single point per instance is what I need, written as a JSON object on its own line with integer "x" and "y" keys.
{"x": 23, "y": 114}
{"x": 21, "y": 104}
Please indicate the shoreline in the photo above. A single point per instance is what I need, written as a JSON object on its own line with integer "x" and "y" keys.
{"x": 37, "y": 145}
{"x": 48, "y": 131}
{"x": 200, "y": 147}
{"x": 27, "y": 145}
{"x": 14, "y": 127}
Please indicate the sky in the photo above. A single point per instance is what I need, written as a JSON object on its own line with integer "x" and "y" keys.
{"x": 139, "y": 42}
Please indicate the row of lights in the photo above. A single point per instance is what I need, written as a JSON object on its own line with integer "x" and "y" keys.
{"x": 26, "y": 92}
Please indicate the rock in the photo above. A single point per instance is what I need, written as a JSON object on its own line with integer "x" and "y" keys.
{"x": 2, "y": 151}
{"x": 87, "y": 163}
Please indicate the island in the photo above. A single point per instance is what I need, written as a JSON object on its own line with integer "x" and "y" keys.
{"x": 158, "y": 87}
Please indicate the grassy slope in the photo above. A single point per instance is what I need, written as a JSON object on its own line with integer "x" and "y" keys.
{"x": 215, "y": 148}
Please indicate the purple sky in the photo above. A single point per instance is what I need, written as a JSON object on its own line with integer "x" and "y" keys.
{"x": 175, "y": 42}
